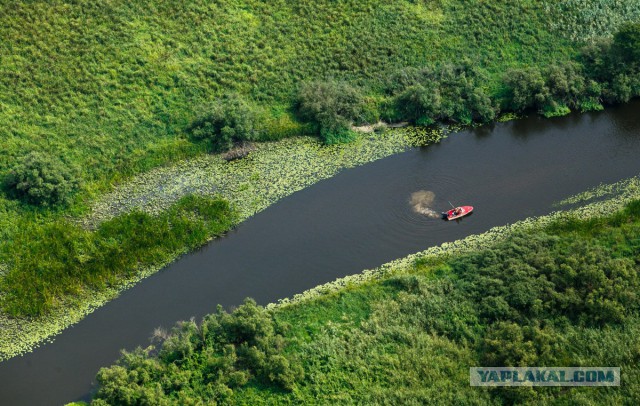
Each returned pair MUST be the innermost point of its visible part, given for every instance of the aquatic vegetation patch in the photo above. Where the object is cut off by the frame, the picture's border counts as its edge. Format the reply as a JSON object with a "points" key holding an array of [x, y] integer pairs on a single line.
{"points": [[510, 116], [272, 171], [601, 191]]}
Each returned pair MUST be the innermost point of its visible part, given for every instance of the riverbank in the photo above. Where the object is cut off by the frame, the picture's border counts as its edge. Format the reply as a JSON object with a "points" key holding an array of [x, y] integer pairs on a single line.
{"points": [[274, 170], [429, 316], [595, 203]]}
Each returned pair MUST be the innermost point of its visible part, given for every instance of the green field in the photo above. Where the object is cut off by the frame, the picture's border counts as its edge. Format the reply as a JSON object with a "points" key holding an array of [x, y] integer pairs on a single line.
{"points": [[96, 94]]}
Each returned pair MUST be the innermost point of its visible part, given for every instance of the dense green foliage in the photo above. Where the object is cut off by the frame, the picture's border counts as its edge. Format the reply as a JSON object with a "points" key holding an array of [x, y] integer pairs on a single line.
{"points": [[42, 180], [50, 262], [608, 70], [556, 91], [626, 45], [588, 20], [331, 107], [108, 90], [228, 121], [566, 295], [448, 92], [205, 361]]}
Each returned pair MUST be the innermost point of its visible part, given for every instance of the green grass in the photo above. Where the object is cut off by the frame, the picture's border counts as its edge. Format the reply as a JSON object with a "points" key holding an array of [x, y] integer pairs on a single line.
{"points": [[112, 86], [52, 261], [562, 294]]}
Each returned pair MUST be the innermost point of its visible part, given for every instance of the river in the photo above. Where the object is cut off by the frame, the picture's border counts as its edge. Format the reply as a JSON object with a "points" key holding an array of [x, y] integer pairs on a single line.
{"points": [[358, 219]]}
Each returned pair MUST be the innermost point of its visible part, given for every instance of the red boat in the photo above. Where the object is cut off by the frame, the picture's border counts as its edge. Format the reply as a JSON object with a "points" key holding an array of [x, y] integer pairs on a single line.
{"points": [[457, 212]]}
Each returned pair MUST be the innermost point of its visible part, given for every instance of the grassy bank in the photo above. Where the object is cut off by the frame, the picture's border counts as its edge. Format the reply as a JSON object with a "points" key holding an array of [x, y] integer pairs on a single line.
{"points": [[560, 290], [58, 271], [112, 87]]}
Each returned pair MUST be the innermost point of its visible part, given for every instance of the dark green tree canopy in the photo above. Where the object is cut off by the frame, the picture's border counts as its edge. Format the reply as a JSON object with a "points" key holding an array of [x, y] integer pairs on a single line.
{"points": [[626, 44], [42, 179], [330, 106], [228, 121]]}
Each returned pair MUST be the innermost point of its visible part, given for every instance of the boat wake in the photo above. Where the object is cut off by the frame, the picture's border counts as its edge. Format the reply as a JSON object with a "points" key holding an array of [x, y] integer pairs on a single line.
{"points": [[421, 200]]}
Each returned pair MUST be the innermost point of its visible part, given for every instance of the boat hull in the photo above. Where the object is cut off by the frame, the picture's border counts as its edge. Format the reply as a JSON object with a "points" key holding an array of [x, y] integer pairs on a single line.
{"points": [[448, 215]]}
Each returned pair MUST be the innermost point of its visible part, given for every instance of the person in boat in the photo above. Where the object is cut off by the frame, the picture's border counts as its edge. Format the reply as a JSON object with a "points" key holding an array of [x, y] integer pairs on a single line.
{"points": [[457, 211]]}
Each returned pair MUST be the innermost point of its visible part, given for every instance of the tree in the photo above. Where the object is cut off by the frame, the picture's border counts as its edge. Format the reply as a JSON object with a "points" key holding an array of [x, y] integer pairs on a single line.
{"points": [[230, 120], [420, 104], [445, 93], [331, 107], [626, 44], [42, 179], [527, 89]]}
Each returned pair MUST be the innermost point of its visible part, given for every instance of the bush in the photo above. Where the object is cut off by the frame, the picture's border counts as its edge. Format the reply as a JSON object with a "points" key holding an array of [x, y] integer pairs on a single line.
{"points": [[566, 84], [620, 90], [419, 104], [626, 44], [229, 121], [526, 89], [447, 93], [42, 180], [331, 107], [555, 91]]}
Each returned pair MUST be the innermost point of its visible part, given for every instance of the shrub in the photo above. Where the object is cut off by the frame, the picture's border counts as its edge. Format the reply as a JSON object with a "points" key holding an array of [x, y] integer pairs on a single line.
{"points": [[626, 44], [42, 179], [526, 89], [370, 113], [620, 90], [230, 120], [331, 107], [566, 84], [555, 91], [447, 93], [419, 104]]}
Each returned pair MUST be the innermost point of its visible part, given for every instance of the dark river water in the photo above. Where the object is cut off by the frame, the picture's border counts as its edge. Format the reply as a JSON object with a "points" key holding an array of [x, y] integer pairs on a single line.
{"points": [[359, 219]]}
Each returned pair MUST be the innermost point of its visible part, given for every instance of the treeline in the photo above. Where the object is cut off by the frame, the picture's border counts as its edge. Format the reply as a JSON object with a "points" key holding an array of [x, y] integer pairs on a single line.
{"points": [[606, 72], [566, 295]]}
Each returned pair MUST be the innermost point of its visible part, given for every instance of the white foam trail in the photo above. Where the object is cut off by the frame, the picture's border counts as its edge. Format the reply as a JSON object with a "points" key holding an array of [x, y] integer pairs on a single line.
{"points": [[421, 200]]}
